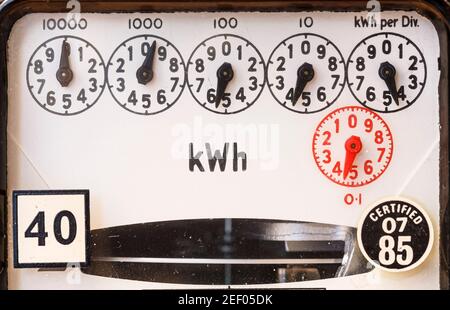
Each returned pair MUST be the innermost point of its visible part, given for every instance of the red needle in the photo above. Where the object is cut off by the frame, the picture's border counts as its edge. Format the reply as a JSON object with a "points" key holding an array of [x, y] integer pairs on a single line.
{"points": [[353, 146]]}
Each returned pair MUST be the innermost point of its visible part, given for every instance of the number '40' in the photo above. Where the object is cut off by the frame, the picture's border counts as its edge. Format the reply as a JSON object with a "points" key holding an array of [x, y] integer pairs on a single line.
{"points": [[41, 234]]}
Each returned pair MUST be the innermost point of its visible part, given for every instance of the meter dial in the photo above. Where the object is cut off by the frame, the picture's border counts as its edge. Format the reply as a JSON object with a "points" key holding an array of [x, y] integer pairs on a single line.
{"points": [[66, 75], [352, 146], [386, 72], [226, 74], [306, 73], [146, 74]]}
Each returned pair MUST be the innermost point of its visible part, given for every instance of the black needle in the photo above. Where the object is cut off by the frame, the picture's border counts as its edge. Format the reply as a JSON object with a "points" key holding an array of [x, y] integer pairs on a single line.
{"points": [[145, 72], [64, 75], [305, 74], [387, 74], [224, 76]]}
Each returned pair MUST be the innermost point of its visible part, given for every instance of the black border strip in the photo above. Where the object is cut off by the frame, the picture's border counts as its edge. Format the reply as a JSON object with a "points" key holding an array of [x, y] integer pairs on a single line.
{"points": [[438, 11], [15, 206]]}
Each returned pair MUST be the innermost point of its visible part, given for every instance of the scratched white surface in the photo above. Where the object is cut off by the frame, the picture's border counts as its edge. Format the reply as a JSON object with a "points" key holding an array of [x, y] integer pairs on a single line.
{"points": [[127, 161]]}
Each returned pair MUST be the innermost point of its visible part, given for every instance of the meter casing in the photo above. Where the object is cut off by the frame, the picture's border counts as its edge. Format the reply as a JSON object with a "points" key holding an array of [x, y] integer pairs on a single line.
{"points": [[437, 12]]}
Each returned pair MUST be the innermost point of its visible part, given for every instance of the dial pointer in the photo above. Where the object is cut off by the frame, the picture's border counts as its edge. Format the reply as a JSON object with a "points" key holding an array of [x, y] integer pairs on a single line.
{"points": [[144, 73], [353, 146], [305, 74], [224, 76], [387, 74], [64, 75]]}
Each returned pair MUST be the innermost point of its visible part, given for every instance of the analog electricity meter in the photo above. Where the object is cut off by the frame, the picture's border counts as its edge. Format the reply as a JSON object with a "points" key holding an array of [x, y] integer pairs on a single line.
{"points": [[192, 144]]}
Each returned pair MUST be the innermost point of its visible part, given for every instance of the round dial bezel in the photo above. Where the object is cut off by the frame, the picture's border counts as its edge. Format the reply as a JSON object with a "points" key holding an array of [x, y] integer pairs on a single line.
{"points": [[101, 86], [341, 61], [168, 43], [261, 85], [363, 41], [374, 116]]}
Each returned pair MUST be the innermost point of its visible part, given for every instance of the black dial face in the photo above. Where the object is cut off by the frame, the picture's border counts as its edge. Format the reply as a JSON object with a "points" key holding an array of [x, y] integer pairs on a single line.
{"points": [[386, 72], [306, 73], [146, 74], [226, 74], [66, 75]]}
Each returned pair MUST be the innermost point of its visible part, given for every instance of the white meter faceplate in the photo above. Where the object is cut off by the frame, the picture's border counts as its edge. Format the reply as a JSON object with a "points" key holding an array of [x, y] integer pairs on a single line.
{"points": [[233, 147]]}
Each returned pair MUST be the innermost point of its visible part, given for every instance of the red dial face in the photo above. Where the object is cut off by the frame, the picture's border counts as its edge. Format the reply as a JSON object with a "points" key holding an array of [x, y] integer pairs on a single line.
{"points": [[352, 146]]}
